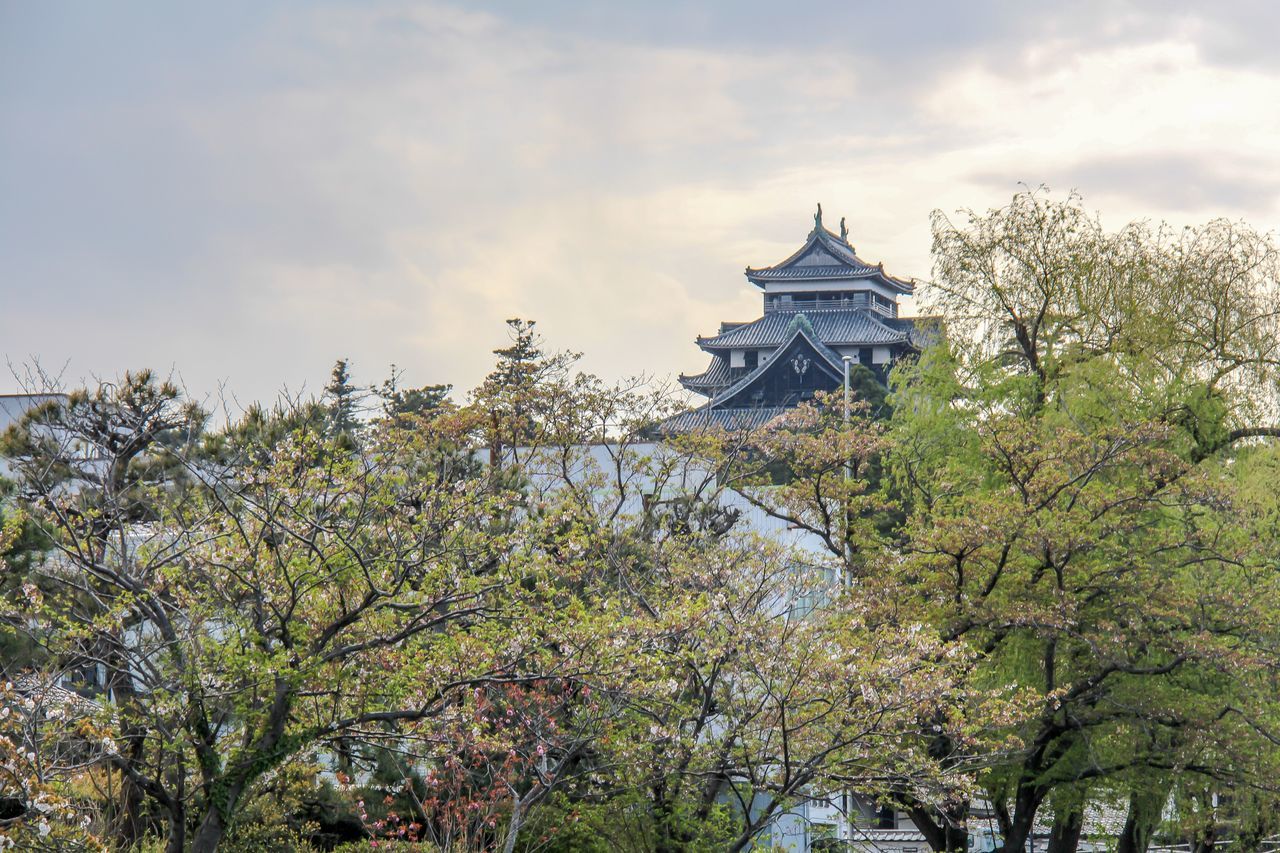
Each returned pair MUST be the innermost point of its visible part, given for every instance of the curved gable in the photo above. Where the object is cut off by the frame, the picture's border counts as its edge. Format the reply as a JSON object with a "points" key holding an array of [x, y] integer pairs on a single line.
{"points": [[795, 372]]}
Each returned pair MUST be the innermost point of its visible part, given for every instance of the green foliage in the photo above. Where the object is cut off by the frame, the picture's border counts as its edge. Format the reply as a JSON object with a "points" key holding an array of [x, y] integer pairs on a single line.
{"points": [[801, 322], [398, 402], [626, 822], [392, 845], [1061, 451], [516, 408], [869, 391], [1040, 571], [343, 400], [293, 810], [22, 544]]}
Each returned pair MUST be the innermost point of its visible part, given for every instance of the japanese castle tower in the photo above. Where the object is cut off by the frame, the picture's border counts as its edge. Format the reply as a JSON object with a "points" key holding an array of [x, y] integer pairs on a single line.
{"points": [[821, 304]]}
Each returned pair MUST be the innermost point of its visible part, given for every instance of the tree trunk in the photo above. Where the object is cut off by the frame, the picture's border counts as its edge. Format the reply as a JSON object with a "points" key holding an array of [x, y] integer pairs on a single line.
{"points": [[1022, 823], [1205, 843], [1130, 840], [1016, 840], [130, 827], [177, 842], [1139, 823], [666, 840], [210, 833], [945, 829], [957, 838], [223, 797], [513, 827], [1068, 823], [222, 800]]}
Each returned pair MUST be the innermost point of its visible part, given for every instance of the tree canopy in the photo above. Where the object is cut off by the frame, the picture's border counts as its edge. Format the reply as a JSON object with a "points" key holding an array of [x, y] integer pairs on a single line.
{"points": [[1034, 575]]}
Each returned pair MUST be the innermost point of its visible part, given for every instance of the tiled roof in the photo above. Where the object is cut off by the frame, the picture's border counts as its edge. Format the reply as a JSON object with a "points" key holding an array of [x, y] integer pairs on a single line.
{"points": [[906, 835], [707, 418], [716, 376], [1104, 820], [831, 273], [921, 331], [47, 692], [824, 241], [716, 414], [833, 327], [795, 332], [824, 271], [826, 256]]}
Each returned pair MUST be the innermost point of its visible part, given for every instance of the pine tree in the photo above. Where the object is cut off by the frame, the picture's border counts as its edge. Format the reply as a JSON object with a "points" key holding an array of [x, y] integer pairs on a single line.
{"points": [[343, 400], [400, 402]]}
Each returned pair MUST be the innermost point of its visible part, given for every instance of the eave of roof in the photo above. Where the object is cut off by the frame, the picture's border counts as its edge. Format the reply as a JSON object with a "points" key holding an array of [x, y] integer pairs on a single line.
{"points": [[828, 273], [850, 266], [706, 418], [716, 375], [834, 327]]}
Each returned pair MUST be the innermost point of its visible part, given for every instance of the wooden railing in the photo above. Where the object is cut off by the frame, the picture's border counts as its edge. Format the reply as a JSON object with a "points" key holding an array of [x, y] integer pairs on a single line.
{"points": [[773, 304]]}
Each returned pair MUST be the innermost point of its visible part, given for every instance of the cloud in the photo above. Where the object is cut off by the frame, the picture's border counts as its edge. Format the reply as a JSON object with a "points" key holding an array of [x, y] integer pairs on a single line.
{"points": [[249, 192], [1182, 181]]}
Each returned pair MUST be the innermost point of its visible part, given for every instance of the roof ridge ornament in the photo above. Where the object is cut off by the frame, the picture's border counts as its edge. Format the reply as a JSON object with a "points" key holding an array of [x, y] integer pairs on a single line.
{"points": [[817, 218], [844, 230]]}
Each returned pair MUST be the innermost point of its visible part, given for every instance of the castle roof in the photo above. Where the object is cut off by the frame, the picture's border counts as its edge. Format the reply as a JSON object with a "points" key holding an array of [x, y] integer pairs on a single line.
{"points": [[715, 377], [707, 418], [827, 257], [824, 308], [799, 340], [834, 327]]}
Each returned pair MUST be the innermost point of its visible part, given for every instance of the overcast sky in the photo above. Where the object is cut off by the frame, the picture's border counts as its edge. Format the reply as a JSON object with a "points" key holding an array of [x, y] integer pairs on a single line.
{"points": [[241, 192]]}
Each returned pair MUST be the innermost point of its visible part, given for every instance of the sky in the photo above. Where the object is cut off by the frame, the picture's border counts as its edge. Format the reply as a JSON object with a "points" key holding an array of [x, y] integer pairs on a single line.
{"points": [[239, 193]]}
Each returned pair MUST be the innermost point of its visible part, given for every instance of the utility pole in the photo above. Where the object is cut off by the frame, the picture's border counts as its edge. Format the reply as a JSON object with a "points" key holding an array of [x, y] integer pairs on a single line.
{"points": [[848, 472], [846, 798], [848, 362]]}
